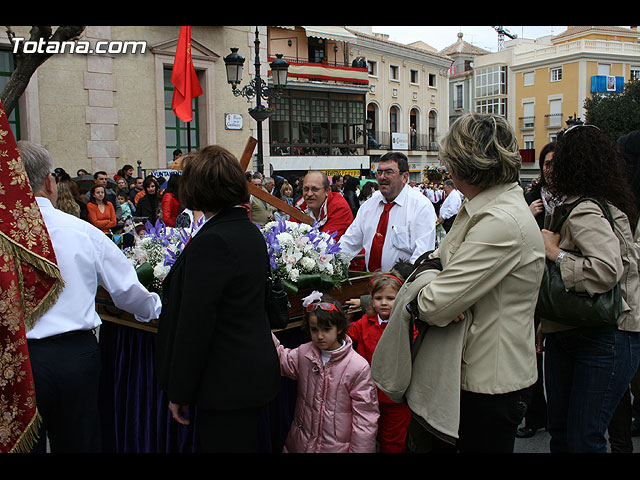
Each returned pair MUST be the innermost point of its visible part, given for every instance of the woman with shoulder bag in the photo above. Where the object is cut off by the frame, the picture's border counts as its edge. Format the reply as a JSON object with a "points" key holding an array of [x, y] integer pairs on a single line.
{"points": [[588, 366]]}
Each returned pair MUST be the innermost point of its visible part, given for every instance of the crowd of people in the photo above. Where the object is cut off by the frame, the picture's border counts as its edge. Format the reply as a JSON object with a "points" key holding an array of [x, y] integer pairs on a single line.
{"points": [[472, 341], [108, 203]]}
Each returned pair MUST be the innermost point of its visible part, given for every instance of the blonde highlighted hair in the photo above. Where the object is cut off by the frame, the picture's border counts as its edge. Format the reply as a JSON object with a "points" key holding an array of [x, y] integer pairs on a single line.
{"points": [[481, 149]]}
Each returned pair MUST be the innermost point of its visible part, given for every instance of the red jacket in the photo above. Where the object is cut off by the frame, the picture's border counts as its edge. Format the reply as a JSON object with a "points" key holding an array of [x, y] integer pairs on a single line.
{"points": [[170, 209], [366, 333], [335, 216]]}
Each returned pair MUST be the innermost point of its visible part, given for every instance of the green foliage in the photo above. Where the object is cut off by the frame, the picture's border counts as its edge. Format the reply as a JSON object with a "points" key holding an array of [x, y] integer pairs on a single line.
{"points": [[615, 113]]}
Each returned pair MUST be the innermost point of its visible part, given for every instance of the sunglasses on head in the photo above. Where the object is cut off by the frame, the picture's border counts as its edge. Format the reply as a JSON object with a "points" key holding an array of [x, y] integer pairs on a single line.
{"points": [[326, 306]]}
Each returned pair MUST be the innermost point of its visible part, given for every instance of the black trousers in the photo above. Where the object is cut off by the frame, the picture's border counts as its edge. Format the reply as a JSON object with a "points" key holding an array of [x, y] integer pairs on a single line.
{"points": [[229, 431], [66, 373], [488, 424]]}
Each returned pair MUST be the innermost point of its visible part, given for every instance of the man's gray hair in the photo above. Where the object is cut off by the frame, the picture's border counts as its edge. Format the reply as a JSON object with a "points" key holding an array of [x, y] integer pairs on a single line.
{"points": [[37, 161], [449, 183], [325, 178]]}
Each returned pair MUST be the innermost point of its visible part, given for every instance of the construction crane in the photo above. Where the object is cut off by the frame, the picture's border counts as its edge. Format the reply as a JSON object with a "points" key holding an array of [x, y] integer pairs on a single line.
{"points": [[501, 34]]}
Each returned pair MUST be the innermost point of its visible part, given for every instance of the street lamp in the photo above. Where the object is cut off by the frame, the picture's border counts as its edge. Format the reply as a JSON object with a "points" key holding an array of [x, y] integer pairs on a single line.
{"points": [[257, 87]]}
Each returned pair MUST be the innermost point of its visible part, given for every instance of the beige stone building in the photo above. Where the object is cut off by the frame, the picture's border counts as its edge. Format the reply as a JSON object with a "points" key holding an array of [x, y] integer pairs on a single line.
{"points": [[102, 111]]}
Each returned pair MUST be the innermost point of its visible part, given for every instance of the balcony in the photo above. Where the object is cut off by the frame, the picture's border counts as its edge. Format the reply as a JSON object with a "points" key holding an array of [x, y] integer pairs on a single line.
{"points": [[324, 72], [419, 142], [526, 123], [553, 120]]}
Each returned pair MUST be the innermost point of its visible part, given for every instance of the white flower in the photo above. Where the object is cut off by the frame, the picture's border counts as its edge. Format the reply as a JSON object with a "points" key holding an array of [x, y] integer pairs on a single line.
{"points": [[314, 296], [294, 274], [285, 238], [160, 271], [307, 264]]}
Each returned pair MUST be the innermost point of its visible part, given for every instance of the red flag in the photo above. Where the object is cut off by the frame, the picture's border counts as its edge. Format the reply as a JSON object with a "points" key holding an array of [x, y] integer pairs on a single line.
{"points": [[184, 78], [30, 283]]}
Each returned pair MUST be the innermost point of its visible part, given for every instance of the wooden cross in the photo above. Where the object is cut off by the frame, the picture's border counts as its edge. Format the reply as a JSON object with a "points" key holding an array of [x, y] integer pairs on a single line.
{"points": [[266, 196]]}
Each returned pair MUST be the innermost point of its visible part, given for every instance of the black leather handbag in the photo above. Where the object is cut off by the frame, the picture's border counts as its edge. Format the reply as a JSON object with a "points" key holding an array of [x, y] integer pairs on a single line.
{"points": [[277, 304], [578, 309]]}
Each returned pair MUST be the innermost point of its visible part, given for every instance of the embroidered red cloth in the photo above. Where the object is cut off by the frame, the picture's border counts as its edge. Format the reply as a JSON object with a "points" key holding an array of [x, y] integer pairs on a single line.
{"points": [[30, 283]]}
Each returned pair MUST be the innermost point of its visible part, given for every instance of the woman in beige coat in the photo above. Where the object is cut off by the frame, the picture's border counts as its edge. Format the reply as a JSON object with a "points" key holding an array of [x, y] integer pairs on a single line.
{"points": [[588, 369], [492, 264]]}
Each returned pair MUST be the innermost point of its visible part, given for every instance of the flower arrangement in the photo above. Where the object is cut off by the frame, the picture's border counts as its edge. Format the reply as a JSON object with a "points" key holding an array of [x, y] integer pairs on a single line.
{"points": [[262, 108], [303, 256], [155, 251]]}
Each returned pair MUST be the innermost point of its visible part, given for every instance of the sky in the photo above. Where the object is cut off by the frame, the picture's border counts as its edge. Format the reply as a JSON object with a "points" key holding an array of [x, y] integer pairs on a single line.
{"points": [[440, 36]]}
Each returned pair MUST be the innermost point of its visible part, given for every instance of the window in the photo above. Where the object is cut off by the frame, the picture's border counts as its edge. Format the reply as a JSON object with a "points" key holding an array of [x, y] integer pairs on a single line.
{"points": [[458, 101], [414, 78], [635, 73], [394, 72], [373, 68], [310, 124], [393, 119], [528, 119], [604, 69], [528, 78], [175, 129], [6, 68], [555, 113], [497, 106], [556, 74], [491, 81], [528, 142], [432, 80]]}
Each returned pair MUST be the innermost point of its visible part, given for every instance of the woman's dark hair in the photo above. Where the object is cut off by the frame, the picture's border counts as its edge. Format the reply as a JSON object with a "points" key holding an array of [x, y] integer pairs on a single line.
{"points": [[92, 196], [148, 181], [548, 148], [367, 190], [351, 184], [173, 184], [212, 180], [587, 162], [328, 319]]}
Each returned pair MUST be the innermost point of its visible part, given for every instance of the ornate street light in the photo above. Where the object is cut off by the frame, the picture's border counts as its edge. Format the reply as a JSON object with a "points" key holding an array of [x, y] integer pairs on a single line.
{"points": [[257, 87]]}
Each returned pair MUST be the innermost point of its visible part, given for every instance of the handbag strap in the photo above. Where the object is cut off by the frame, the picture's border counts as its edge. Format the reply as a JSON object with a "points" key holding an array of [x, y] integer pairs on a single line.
{"points": [[562, 213]]}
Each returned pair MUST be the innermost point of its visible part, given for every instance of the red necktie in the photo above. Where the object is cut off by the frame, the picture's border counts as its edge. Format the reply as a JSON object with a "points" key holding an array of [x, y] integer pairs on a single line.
{"points": [[375, 256]]}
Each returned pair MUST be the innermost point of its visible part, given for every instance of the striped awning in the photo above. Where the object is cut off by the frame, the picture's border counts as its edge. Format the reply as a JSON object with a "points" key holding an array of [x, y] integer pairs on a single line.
{"points": [[339, 34], [329, 72]]}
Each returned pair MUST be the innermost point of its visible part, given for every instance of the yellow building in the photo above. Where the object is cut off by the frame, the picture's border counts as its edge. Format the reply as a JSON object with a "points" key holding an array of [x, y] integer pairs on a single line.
{"points": [[547, 80]]}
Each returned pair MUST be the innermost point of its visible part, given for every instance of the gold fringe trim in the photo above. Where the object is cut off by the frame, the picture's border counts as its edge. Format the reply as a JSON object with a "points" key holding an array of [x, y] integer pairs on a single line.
{"points": [[42, 264], [29, 437]]}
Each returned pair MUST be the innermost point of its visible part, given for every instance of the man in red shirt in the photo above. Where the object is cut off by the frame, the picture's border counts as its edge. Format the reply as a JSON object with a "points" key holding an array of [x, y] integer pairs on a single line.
{"points": [[329, 209]]}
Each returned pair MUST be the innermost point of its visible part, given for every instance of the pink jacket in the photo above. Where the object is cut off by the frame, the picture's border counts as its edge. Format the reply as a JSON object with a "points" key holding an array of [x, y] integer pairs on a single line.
{"points": [[337, 404]]}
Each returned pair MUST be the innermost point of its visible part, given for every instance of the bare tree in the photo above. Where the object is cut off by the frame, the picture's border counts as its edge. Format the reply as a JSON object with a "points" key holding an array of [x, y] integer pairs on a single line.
{"points": [[27, 63]]}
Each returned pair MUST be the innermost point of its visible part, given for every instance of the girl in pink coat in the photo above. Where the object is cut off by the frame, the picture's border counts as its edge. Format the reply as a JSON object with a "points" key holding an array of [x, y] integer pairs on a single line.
{"points": [[337, 403]]}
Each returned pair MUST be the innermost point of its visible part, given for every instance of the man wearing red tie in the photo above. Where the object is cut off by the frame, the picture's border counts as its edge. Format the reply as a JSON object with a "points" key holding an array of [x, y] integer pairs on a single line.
{"points": [[396, 223]]}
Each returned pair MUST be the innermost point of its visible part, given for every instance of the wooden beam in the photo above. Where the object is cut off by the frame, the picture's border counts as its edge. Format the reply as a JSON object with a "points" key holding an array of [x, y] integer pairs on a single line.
{"points": [[245, 159], [262, 194], [280, 204]]}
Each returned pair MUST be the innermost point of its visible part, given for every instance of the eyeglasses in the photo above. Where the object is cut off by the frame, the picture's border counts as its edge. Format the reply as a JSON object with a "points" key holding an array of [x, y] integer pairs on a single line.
{"points": [[326, 306], [388, 172]]}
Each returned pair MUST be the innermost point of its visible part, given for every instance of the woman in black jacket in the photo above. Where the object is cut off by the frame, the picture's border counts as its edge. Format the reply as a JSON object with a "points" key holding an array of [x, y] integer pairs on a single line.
{"points": [[214, 346], [149, 205]]}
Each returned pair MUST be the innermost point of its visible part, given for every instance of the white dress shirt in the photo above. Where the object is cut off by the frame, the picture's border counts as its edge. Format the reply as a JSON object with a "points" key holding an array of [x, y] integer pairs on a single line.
{"points": [[410, 232], [451, 205], [88, 258]]}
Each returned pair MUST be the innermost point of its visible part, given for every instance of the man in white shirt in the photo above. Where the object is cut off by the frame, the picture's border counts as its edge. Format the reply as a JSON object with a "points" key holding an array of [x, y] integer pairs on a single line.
{"points": [[450, 206], [63, 347], [410, 230]]}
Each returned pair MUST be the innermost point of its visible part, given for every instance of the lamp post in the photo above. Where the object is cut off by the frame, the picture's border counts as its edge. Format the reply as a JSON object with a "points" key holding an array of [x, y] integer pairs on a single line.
{"points": [[257, 87]]}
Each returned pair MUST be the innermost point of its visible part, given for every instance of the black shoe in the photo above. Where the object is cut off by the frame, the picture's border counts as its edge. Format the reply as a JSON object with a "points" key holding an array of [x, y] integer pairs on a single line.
{"points": [[526, 432]]}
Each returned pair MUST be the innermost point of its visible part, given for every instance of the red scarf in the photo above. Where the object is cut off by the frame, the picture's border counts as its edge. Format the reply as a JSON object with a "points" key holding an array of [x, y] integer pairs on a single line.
{"points": [[30, 283]]}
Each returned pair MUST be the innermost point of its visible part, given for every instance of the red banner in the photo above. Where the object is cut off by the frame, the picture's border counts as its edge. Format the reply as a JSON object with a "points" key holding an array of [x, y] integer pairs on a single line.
{"points": [[184, 78], [30, 283]]}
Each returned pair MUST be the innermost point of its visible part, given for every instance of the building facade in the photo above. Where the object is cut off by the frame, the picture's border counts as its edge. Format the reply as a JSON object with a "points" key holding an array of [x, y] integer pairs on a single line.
{"points": [[540, 84], [102, 111], [407, 100]]}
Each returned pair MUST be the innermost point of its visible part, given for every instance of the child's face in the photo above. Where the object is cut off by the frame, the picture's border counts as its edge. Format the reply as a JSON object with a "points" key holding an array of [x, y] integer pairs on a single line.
{"points": [[121, 199], [324, 338], [383, 301]]}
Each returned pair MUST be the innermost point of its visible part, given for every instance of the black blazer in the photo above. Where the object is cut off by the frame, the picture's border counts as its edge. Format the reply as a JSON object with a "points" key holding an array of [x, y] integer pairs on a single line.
{"points": [[214, 347]]}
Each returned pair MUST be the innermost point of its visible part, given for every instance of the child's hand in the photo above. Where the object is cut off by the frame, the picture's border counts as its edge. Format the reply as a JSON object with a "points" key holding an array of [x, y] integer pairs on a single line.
{"points": [[353, 303], [177, 411]]}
